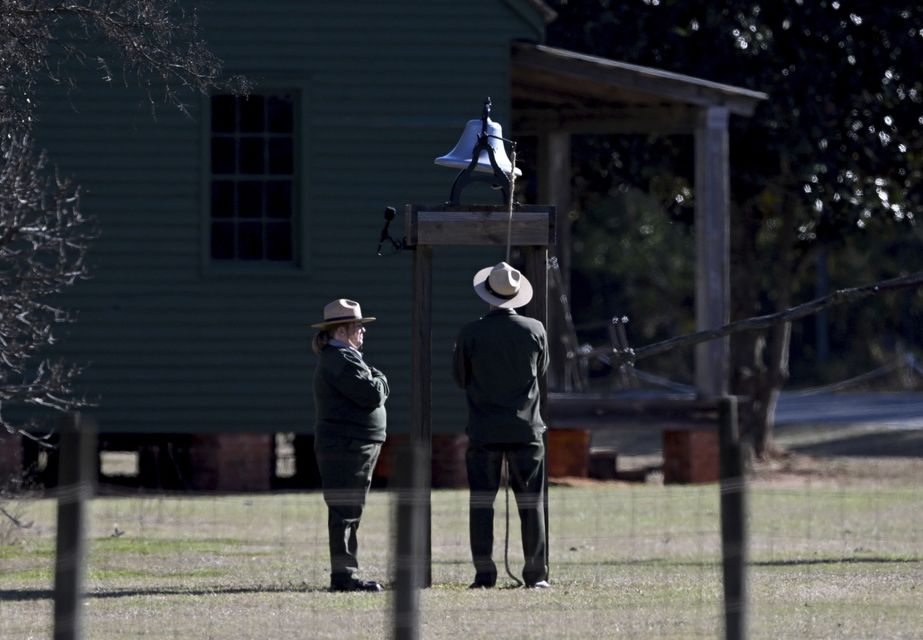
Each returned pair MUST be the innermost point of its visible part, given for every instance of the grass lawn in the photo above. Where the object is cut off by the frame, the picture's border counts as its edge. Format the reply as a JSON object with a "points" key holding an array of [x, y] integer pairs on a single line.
{"points": [[827, 560]]}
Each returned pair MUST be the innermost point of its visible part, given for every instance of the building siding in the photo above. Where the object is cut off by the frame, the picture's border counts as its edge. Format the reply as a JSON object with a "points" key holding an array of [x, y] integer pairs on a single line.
{"points": [[174, 344]]}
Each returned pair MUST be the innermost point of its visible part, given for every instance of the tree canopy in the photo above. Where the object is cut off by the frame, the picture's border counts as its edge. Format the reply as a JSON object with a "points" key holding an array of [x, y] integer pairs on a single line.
{"points": [[829, 166], [843, 122]]}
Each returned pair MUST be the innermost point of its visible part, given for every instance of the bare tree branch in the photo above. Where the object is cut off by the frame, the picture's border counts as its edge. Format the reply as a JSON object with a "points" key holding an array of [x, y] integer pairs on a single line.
{"points": [[44, 235], [43, 243], [155, 41], [16, 521]]}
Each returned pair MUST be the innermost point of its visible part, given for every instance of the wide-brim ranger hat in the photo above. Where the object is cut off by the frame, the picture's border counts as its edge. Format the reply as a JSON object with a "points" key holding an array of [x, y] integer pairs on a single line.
{"points": [[502, 286], [341, 311]]}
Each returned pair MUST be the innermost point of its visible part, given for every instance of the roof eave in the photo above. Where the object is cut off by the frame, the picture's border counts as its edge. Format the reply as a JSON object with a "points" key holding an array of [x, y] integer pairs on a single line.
{"points": [[667, 85]]}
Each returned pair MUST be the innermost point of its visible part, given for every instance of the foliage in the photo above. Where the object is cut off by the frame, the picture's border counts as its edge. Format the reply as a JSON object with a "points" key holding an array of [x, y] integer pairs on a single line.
{"points": [[840, 133], [625, 233], [830, 163], [44, 235], [632, 244]]}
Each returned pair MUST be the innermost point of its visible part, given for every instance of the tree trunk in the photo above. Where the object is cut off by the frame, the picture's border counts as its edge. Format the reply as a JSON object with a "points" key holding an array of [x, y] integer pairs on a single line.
{"points": [[766, 393], [761, 360]]}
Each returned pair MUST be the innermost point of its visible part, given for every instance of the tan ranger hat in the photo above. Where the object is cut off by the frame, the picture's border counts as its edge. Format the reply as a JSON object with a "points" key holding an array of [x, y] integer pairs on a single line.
{"points": [[503, 286], [341, 311]]}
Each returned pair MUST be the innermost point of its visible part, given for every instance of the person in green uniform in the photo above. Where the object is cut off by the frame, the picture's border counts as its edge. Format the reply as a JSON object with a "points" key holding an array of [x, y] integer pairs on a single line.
{"points": [[349, 429], [498, 361]]}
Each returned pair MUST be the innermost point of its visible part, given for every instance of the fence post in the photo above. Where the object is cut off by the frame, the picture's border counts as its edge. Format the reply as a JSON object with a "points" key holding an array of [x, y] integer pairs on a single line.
{"points": [[76, 484], [411, 528], [733, 521]]}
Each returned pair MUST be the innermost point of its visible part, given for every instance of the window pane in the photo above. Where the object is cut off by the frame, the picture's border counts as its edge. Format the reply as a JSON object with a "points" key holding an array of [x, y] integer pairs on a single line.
{"points": [[278, 241], [251, 155], [249, 199], [223, 240], [280, 110], [223, 114], [222, 199], [251, 114], [253, 204], [278, 199], [280, 156], [222, 155], [250, 241]]}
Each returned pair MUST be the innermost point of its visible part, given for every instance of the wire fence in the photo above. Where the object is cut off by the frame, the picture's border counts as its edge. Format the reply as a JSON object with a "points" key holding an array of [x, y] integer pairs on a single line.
{"points": [[836, 555]]}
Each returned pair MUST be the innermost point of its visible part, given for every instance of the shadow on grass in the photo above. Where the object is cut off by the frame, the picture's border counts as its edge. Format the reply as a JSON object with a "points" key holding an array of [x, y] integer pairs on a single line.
{"points": [[816, 561], [753, 563], [23, 595], [890, 443]]}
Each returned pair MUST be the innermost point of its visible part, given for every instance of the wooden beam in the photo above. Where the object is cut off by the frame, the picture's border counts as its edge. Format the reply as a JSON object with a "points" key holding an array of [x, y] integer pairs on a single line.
{"points": [[733, 521], [661, 119], [554, 169], [77, 471], [480, 225], [592, 73], [666, 412], [712, 232], [536, 271], [421, 380]]}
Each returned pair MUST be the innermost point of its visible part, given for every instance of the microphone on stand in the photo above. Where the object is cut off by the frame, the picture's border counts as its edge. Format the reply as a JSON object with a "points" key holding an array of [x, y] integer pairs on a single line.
{"points": [[389, 216]]}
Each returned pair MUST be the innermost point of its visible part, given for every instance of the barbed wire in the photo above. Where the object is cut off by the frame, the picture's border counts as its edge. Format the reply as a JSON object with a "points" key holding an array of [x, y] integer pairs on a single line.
{"points": [[907, 361], [629, 356]]}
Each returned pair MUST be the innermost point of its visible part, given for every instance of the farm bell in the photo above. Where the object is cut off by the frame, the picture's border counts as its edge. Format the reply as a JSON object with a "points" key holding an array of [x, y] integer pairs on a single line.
{"points": [[460, 156]]}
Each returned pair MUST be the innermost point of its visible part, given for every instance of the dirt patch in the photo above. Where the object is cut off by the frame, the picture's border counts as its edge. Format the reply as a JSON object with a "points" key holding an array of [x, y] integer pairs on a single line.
{"points": [[820, 454], [834, 454], [844, 454], [574, 481], [797, 468]]}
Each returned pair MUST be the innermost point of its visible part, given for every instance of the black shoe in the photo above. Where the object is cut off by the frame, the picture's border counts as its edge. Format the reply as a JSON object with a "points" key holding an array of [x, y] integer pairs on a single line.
{"points": [[354, 584], [541, 584], [481, 585]]}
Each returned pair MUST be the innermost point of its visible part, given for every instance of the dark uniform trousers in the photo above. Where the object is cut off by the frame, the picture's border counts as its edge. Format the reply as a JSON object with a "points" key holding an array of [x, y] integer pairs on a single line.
{"points": [[526, 474], [346, 466]]}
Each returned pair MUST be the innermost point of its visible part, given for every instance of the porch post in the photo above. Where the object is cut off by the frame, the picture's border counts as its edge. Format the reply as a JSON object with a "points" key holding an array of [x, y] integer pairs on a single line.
{"points": [[554, 169], [712, 231]]}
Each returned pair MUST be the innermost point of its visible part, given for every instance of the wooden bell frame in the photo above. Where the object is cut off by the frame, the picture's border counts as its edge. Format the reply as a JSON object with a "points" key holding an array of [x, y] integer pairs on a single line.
{"points": [[532, 230]]}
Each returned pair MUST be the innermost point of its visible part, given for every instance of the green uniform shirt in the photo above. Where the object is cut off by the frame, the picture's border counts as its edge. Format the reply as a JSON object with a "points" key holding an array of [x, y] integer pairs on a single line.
{"points": [[349, 396], [498, 361]]}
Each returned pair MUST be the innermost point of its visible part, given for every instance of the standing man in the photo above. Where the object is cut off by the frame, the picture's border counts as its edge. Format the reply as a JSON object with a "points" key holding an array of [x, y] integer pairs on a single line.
{"points": [[498, 362], [349, 429]]}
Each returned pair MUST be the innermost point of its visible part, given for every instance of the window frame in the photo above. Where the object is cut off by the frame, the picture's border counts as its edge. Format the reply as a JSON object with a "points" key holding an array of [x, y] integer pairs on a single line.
{"points": [[299, 265]]}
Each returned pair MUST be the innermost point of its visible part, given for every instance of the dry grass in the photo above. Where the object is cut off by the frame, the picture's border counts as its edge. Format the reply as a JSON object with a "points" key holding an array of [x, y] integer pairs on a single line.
{"points": [[836, 551]]}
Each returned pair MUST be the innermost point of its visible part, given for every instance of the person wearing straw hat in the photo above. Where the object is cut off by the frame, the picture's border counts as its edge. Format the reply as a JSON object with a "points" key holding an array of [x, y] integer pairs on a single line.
{"points": [[349, 429], [498, 361]]}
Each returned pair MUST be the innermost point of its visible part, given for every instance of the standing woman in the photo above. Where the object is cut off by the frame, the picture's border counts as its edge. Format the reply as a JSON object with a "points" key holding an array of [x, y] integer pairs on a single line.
{"points": [[349, 429]]}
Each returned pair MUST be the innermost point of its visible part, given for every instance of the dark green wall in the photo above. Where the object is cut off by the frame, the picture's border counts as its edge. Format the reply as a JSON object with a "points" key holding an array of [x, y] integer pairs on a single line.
{"points": [[173, 344]]}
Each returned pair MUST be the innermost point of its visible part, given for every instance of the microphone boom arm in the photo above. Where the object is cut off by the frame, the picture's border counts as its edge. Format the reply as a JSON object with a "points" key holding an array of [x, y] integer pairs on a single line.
{"points": [[385, 236]]}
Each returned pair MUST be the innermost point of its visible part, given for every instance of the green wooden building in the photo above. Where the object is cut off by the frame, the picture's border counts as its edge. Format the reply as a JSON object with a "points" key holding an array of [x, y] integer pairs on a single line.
{"points": [[223, 233]]}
